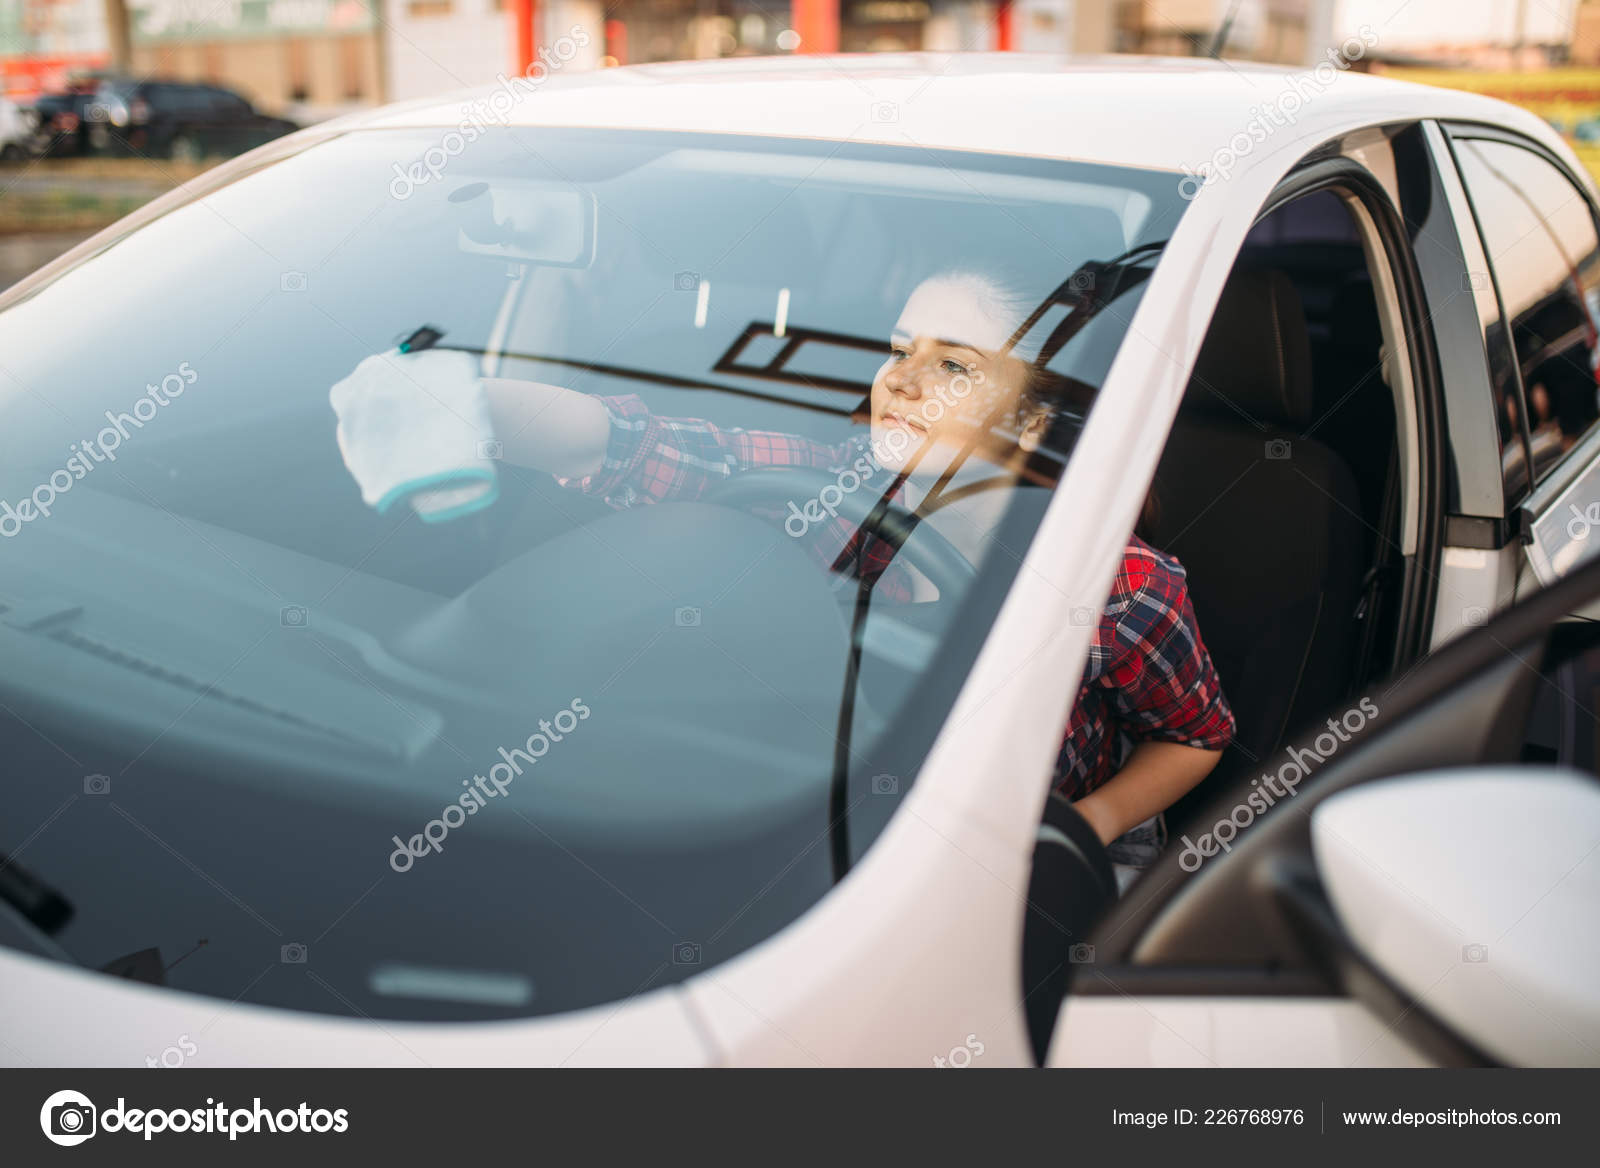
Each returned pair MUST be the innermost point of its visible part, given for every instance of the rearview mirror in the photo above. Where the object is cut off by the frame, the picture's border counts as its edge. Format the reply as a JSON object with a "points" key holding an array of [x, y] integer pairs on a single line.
{"points": [[538, 223], [1477, 891]]}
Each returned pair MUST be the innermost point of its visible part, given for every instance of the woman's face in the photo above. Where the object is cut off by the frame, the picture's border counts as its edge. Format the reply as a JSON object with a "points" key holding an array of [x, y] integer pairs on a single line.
{"points": [[944, 374]]}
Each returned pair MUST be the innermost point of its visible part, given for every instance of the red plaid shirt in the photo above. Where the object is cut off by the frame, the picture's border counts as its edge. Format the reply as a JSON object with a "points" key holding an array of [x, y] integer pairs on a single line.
{"points": [[1149, 677]]}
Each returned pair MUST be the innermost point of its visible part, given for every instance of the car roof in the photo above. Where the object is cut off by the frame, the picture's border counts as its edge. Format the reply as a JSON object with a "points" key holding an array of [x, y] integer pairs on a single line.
{"points": [[1158, 112]]}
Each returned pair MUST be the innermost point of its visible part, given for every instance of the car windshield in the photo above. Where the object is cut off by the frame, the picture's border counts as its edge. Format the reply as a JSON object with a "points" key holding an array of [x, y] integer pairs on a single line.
{"points": [[281, 729]]}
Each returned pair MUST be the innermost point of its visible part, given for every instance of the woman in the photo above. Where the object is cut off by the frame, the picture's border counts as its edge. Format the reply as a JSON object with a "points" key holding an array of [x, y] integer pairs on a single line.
{"points": [[1150, 721]]}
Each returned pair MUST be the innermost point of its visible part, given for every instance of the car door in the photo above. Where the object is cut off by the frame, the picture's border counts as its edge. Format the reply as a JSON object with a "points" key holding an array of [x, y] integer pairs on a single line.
{"points": [[1246, 946], [233, 123], [1540, 234], [190, 117]]}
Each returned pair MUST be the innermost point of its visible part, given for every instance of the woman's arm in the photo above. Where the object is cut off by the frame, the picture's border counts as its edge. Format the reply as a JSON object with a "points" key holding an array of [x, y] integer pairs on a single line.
{"points": [[1166, 695], [548, 427], [615, 449], [1156, 775]]}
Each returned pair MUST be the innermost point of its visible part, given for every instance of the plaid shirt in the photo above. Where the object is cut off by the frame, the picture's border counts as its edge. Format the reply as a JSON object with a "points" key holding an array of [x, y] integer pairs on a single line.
{"points": [[1149, 677]]}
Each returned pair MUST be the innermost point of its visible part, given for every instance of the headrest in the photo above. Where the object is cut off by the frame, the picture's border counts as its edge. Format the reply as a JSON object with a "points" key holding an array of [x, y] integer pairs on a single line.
{"points": [[1256, 360]]}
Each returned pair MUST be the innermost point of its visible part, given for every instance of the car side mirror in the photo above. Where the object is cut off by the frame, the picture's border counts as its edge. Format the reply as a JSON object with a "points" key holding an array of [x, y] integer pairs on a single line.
{"points": [[1071, 886], [1477, 892]]}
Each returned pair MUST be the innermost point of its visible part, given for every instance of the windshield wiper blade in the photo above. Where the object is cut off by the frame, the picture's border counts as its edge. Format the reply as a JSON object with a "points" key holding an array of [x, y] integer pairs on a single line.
{"points": [[427, 337], [36, 902]]}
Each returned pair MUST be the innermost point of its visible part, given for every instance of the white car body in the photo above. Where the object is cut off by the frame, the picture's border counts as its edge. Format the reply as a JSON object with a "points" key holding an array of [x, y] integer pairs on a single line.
{"points": [[918, 950], [16, 128]]}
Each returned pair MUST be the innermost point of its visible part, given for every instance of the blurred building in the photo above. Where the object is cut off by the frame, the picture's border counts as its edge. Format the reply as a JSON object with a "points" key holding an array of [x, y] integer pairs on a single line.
{"points": [[44, 43], [309, 58], [313, 58], [1585, 49], [435, 45], [1259, 30]]}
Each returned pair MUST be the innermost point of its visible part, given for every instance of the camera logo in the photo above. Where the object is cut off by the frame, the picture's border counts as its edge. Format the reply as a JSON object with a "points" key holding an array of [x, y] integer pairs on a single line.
{"points": [[1081, 954], [686, 618], [292, 616], [293, 953], [885, 785], [1474, 954], [1278, 449], [292, 282], [686, 281], [1474, 281], [686, 953], [883, 111], [491, 448], [97, 784], [68, 1118]]}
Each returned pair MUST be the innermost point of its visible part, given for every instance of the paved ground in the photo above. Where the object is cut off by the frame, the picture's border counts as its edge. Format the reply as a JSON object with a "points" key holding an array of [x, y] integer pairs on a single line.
{"points": [[48, 205], [39, 180]]}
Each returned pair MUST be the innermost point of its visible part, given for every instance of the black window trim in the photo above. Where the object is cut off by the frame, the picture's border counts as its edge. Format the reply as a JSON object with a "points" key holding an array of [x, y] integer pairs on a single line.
{"points": [[1575, 461]]}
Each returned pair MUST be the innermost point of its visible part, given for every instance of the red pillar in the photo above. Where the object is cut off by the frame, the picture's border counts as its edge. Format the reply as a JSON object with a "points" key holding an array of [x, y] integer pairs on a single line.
{"points": [[1002, 26], [817, 22], [617, 41], [524, 16]]}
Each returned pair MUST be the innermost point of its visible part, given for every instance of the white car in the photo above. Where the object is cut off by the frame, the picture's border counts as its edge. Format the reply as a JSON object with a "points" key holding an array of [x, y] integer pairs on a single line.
{"points": [[265, 744], [16, 131]]}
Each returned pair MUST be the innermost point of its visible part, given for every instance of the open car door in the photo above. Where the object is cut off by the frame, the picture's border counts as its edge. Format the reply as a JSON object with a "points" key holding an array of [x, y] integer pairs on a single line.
{"points": [[1416, 881]]}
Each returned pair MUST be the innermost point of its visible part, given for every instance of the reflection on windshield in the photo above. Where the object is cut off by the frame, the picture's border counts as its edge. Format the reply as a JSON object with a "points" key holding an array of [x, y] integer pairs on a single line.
{"points": [[733, 443]]}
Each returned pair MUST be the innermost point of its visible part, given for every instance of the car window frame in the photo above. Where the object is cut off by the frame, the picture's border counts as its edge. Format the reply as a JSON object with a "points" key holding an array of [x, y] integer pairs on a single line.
{"points": [[1334, 165], [225, 103], [1352, 179], [1539, 493]]}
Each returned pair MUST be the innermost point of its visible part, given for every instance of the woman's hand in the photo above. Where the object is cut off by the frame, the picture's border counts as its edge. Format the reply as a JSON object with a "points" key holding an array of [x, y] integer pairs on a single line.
{"points": [[548, 427], [1154, 777]]}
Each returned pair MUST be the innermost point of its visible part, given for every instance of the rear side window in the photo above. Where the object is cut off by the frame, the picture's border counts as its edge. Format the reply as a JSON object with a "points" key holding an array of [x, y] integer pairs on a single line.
{"points": [[231, 104], [179, 99], [1539, 233]]}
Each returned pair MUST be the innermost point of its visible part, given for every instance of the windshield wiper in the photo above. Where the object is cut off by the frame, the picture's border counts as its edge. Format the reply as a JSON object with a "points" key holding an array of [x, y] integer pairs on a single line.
{"points": [[36, 902], [32, 912], [427, 337]]}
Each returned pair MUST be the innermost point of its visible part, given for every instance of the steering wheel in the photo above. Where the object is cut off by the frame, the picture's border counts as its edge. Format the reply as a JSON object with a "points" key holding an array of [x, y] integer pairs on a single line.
{"points": [[776, 487]]}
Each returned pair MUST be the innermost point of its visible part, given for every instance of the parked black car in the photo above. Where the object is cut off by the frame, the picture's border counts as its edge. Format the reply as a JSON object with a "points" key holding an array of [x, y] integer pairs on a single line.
{"points": [[177, 119], [61, 123]]}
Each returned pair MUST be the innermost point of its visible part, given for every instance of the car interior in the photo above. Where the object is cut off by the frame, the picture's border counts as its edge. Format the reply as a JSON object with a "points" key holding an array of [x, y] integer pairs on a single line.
{"points": [[1279, 492], [1278, 487]]}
